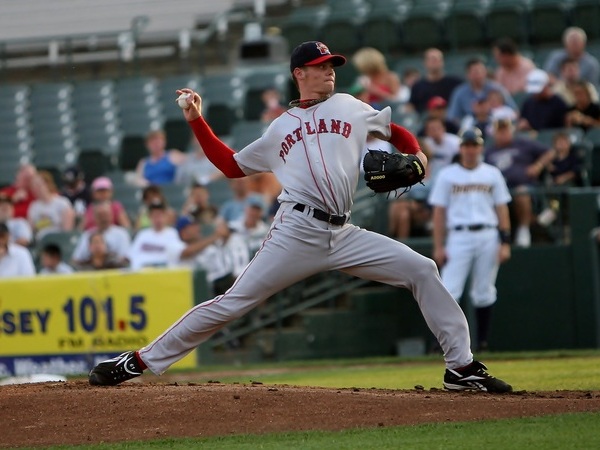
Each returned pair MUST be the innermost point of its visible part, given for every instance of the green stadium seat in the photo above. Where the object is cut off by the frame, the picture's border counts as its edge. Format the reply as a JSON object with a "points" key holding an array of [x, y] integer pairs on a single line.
{"points": [[178, 134], [423, 26], [133, 148], [244, 132], [256, 82], [593, 136], [381, 27], [586, 15], [224, 96], [545, 136], [303, 24], [341, 30], [93, 163], [167, 87], [66, 241], [547, 21], [507, 18], [466, 24]]}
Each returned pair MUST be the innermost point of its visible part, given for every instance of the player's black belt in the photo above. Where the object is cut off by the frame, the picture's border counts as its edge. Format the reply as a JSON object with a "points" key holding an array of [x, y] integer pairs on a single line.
{"points": [[322, 215], [476, 227]]}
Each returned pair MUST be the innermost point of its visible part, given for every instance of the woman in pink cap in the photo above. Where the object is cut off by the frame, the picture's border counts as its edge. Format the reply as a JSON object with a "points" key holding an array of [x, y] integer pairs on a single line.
{"points": [[102, 191]]}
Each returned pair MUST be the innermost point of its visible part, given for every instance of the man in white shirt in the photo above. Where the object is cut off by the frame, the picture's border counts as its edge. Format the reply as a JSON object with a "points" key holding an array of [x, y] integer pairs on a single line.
{"points": [[20, 230], [151, 246], [15, 260], [116, 237]]}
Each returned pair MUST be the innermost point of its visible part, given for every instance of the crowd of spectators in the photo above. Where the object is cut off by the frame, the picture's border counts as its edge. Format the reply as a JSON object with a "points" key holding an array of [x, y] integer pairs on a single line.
{"points": [[221, 238], [512, 102]]}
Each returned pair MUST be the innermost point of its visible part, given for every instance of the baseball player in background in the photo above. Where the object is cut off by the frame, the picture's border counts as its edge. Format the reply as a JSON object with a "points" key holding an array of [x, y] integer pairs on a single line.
{"points": [[315, 151], [471, 228]]}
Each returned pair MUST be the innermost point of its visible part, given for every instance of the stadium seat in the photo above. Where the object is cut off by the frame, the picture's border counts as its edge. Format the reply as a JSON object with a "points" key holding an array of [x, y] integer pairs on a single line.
{"points": [[547, 21], [133, 148], [140, 109], [256, 82], [507, 18], [423, 26], [219, 191], [93, 163], [593, 135], [178, 134], [224, 96], [466, 24], [167, 87], [66, 241], [175, 195], [244, 132], [547, 135], [586, 15], [381, 27], [341, 29], [303, 24]]}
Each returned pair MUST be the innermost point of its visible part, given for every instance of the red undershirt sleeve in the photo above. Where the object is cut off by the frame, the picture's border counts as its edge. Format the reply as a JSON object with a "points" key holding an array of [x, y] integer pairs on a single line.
{"points": [[403, 139], [216, 151]]}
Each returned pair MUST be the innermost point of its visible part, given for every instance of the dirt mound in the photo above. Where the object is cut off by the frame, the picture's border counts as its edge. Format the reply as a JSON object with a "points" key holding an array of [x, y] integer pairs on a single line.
{"points": [[76, 413]]}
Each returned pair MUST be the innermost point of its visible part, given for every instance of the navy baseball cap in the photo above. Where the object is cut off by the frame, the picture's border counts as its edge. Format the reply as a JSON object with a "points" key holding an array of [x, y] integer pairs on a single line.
{"points": [[312, 53], [471, 136], [183, 222]]}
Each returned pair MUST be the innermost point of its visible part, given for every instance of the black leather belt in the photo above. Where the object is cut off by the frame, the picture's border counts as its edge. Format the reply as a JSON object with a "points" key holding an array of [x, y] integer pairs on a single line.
{"points": [[322, 215], [476, 227]]}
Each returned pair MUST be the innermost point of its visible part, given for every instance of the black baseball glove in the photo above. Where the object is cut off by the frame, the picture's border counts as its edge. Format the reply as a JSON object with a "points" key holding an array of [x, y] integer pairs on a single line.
{"points": [[386, 172]]}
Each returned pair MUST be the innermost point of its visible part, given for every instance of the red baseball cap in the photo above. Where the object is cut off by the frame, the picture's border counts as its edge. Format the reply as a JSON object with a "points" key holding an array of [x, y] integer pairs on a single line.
{"points": [[436, 102], [312, 53]]}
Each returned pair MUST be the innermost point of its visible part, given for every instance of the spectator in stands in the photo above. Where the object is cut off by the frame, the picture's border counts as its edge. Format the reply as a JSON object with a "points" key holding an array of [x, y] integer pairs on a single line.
{"points": [[20, 230], [100, 258], [160, 165], [21, 192], [382, 84], [410, 212], [435, 82], [521, 161], [50, 212], [486, 109], [51, 261], [410, 76], [76, 190], [103, 191], [150, 247], [233, 209], [15, 260], [198, 206], [271, 98], [437, 108], [251, 226], [512, 66], [569, 75], [542, 108], [477, 85], [116, 237], [574, 42], [153, 194], [565, 167], [584, 114], [265, 184], [196, 168]]}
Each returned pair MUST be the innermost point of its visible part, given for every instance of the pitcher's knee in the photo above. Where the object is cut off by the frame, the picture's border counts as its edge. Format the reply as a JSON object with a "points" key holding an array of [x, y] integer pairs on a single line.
{"points": [[424, 268]]}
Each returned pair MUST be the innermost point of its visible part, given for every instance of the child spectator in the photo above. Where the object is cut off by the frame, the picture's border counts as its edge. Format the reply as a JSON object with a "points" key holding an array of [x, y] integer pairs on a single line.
{"points": [[51, 261], [565, 166], [153, 194], [273, 107], [76, 190]]}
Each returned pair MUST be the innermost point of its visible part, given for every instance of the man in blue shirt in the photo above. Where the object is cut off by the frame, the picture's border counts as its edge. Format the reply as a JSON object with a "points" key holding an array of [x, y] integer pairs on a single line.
{"points": [[477, 85]]}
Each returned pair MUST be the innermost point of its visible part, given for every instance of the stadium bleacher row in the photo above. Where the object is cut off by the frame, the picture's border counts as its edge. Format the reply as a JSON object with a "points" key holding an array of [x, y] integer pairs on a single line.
{"points": [[398, 25]]}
